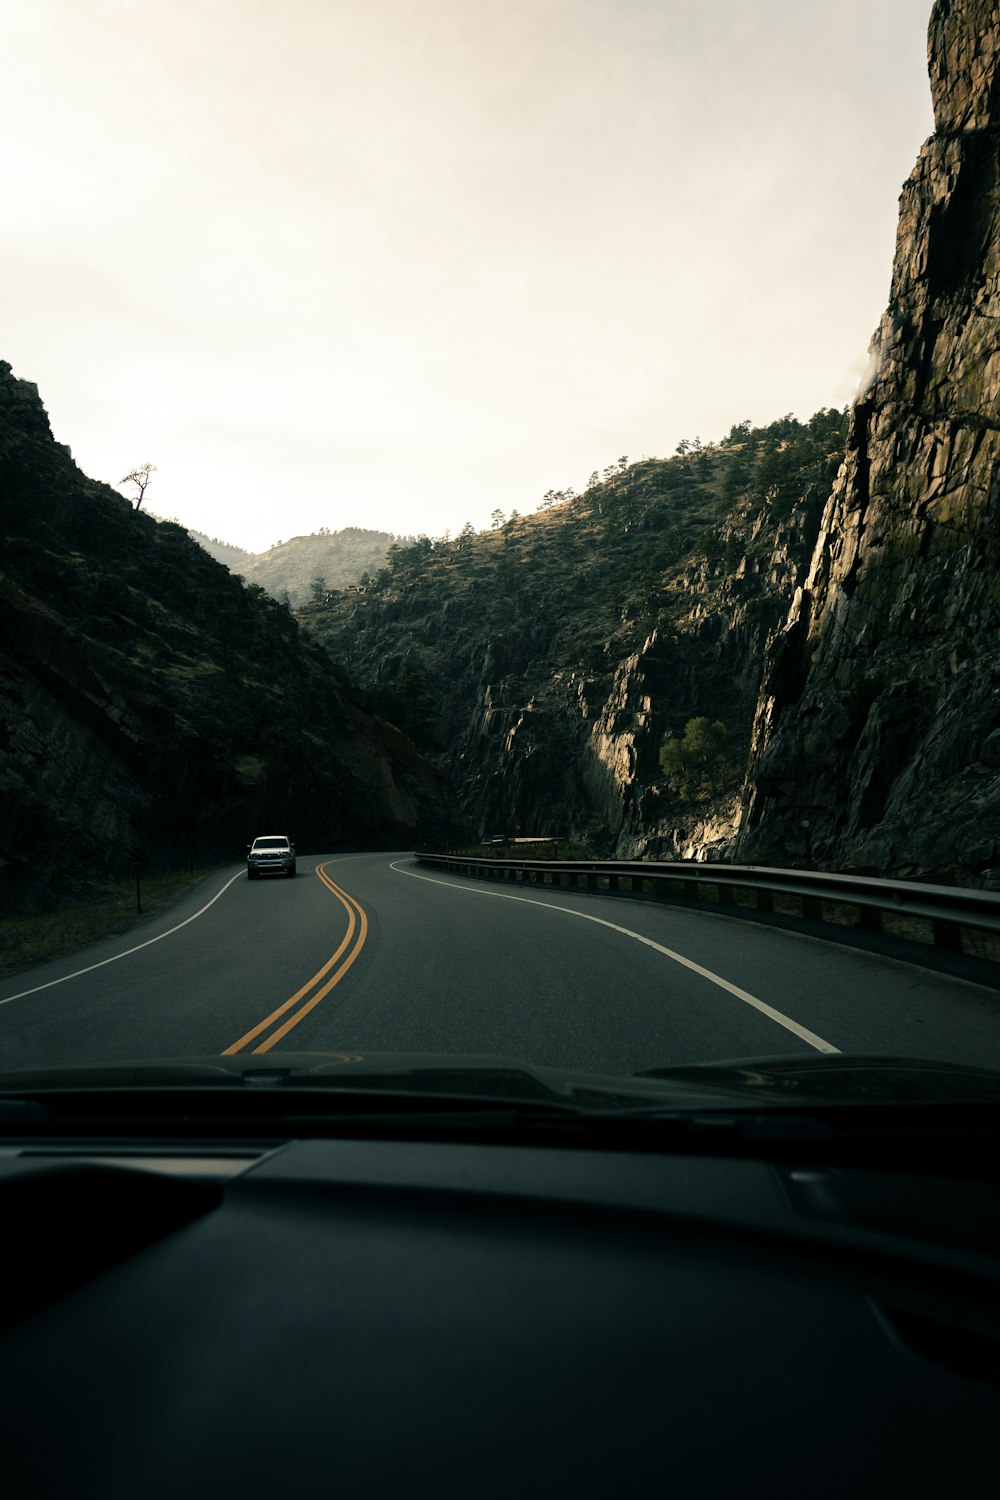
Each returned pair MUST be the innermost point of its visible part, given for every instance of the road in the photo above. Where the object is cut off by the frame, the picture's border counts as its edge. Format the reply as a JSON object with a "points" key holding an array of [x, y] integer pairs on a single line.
{"points": [[371, 952]]}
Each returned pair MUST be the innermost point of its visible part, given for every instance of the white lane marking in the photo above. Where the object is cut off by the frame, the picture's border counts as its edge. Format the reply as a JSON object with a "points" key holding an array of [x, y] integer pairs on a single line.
{"points": [[116, 956], [688, 963]]}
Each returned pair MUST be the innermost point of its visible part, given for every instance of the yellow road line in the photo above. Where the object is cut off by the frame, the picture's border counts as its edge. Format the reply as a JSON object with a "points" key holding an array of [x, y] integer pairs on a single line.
{"points": [[357, 922]]}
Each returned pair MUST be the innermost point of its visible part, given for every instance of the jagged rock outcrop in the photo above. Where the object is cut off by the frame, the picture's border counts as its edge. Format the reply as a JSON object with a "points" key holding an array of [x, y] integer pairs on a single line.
{"points": [[154, 709], [710, 665], [875, 736]]}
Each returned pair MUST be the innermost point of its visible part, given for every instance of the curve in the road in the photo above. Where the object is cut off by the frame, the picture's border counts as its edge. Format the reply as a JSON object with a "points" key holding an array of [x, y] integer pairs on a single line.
{"points": [[802, 1032], [314, 990]]}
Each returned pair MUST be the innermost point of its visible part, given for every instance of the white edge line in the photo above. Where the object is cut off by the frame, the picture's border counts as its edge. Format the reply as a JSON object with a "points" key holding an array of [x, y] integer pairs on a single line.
{"points": [[116, 956], [688, 963]]}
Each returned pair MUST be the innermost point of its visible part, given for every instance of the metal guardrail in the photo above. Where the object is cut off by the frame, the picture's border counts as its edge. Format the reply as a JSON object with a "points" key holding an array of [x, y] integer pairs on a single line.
{"points": [[749, 889]]}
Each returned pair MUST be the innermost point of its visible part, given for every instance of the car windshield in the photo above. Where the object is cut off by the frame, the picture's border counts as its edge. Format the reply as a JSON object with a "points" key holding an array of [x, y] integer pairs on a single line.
{"points": [[544, 457]]}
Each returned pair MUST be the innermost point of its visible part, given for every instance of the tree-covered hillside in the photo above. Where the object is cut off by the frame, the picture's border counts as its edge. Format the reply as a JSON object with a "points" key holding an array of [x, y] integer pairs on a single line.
{"points": [[657, 587]]}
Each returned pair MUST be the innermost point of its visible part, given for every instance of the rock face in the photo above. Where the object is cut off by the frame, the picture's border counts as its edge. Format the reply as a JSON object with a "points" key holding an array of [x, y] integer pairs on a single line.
{"points": [[581, 756], [878, 720], [153, 708]]}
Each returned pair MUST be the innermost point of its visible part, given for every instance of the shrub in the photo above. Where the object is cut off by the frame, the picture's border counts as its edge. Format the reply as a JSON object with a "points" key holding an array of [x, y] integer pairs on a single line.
{"points": [[701, 761]]}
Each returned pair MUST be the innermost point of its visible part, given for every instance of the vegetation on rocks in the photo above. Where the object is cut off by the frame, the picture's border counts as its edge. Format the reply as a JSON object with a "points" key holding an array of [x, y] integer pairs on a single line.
{"points": [[699, 763]]}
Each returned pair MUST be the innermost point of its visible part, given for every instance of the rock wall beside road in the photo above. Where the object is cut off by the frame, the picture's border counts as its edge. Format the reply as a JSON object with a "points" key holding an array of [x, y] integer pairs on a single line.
{"points": [[878, 720]]}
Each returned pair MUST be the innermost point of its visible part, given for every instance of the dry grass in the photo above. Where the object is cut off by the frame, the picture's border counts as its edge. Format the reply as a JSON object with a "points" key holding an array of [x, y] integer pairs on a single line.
{"points": [[911, 929], [981, 944], [33, 939]]}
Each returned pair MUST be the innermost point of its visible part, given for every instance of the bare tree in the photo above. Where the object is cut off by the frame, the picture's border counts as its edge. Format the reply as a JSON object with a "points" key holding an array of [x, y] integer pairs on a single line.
{"points": [[139, 476]]}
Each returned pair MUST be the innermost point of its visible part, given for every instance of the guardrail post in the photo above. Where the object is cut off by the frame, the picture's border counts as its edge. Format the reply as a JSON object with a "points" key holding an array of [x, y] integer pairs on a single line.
{"points": [[869, 919], [612, 882], [812, 907], [946, 934], [765, 900]]}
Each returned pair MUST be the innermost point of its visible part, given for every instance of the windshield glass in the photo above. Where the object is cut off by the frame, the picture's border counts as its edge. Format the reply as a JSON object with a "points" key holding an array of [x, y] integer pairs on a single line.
{"points": [[534, 456]]}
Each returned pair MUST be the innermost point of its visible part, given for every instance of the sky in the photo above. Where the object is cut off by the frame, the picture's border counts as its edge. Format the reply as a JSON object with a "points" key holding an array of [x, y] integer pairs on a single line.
{"points": [[402, 263]]}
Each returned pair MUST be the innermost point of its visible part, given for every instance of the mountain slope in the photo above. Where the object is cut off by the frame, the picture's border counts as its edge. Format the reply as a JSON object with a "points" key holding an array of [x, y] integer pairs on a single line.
{"points": [[154, 709]]}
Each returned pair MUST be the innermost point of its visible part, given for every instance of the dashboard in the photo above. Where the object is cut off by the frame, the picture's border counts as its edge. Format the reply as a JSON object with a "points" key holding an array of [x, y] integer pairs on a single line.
{"points": [[369, 1317]]}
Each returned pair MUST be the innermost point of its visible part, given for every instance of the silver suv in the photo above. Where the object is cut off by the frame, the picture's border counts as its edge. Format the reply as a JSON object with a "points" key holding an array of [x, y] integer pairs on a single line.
{"points": [[272, 854]]}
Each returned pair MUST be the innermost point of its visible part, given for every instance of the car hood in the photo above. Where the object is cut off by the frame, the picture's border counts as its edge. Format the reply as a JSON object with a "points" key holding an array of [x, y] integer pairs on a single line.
{"points": [[748, 1083]]}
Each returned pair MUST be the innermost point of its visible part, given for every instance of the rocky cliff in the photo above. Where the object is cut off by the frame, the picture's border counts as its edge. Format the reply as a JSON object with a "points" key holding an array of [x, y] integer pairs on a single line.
{"points": [[154, 709], [877, 735]]}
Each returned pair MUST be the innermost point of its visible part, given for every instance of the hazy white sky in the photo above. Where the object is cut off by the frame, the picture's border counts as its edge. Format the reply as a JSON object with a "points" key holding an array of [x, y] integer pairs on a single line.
{"points": [[395, 263]]}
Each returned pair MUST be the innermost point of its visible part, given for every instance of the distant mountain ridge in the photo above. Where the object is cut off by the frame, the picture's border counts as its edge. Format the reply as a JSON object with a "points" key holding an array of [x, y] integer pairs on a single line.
{"points": [[226, 553], [292, 571]]}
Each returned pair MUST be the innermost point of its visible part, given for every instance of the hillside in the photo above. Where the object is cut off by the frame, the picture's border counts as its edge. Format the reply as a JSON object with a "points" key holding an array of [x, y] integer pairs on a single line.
{"points": [[297, 570], [154, 709], [549, 657]]}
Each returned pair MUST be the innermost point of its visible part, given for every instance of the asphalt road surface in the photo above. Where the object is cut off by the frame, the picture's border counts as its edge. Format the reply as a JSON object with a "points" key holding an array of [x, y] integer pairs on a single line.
{"points": [[370, 952]]}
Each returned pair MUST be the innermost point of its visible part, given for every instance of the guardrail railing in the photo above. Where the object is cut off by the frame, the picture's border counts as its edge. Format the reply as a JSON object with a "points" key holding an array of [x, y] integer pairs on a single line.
{"points": [[951, 918]]}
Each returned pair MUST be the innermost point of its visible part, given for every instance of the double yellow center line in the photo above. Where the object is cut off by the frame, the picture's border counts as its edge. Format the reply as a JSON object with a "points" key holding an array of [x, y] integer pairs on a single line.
{"points": [[314, 990]]}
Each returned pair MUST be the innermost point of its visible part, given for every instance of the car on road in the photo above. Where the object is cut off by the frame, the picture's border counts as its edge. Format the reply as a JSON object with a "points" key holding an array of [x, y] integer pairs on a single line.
{"points": [[271, 854]]}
